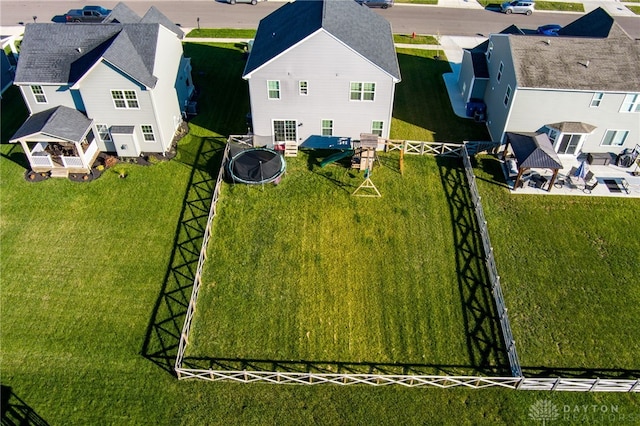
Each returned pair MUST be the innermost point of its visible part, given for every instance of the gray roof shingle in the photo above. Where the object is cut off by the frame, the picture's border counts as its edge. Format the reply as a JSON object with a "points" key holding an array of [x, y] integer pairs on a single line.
{"points": [[362, 30], [601, 64], [61, 122], [578, 62], [53, 53]]}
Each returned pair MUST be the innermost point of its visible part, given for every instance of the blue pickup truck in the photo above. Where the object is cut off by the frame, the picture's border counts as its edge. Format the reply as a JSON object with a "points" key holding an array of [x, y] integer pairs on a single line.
{"points": [[87, 14]]}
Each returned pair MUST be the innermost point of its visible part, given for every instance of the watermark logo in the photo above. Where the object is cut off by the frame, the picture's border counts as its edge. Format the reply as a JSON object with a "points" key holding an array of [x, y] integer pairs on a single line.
{"points": [[544, 410]]}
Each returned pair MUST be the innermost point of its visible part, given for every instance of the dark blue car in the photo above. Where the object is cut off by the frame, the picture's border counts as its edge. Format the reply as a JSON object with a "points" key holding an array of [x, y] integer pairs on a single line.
{"points": [[549, 30]]}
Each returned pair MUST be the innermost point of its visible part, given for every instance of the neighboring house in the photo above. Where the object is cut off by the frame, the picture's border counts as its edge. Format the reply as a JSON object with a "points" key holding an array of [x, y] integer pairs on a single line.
{"points": [[321, 68], [128, 79], [581, 88], [6, 72]]}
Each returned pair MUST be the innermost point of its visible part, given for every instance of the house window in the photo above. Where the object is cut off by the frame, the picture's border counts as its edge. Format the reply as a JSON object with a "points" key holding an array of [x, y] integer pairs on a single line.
{"points": [[125, 99], [147, 132], [38, 94], [376, 128], [103, 133], [327, 127], [614, 137], [507, 96], [362, 91], [489, 51], [284, 131], [303, 88], [500, 69], [569, 144], [596, 100], [553, 135], [631, 103], [273, 88]]}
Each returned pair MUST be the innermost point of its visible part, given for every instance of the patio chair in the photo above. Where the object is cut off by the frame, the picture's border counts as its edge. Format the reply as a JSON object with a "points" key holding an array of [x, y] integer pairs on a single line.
{"points": [[588, 177], [588, 187], [571, 179]]}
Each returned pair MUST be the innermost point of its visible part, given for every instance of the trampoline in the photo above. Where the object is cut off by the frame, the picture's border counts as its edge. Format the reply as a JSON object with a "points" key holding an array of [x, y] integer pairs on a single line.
{"points": [[255, 166]]}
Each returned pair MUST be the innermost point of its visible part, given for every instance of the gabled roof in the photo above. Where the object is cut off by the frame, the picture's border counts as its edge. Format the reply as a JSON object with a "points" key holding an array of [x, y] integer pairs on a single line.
{"points": [[362, 30], [584, 62], [60, 122], [154, 16], [534, 151], [121, 13], [53, 53]]}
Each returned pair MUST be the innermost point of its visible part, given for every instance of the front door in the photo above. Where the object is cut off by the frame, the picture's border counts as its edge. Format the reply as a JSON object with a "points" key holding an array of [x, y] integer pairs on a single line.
{"points": [[285, 131]]}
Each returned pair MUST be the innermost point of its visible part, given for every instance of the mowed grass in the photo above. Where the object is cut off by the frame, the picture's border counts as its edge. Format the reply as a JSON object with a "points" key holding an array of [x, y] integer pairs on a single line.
{"points": [[569, 269], [306, 271], [87, 281]]}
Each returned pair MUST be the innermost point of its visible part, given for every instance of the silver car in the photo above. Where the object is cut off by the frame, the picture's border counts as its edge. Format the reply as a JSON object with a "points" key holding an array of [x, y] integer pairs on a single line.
{"points": [[518, 6]]}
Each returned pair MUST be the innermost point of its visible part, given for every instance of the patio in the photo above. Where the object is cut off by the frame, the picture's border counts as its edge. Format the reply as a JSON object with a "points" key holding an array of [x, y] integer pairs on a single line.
{"points": [[612, 181]]}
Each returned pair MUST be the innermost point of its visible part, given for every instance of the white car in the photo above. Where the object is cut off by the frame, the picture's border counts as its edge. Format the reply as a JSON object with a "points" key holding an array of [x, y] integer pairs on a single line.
{"points": [[518, 6]]}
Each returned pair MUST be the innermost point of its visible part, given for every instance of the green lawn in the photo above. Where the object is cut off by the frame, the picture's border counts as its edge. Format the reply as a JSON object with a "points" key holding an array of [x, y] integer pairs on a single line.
{"points": [[222, 33], [569, 274], [305, 271], [634, 9], [95, 278], [560, 6]]}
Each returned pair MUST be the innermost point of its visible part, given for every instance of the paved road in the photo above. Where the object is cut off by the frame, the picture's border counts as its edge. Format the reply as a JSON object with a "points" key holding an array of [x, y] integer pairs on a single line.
{"points": [[214, 14]]}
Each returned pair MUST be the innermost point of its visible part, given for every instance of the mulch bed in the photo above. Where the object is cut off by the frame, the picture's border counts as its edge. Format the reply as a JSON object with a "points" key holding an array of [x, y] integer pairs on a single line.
{"points": [[31, 176]]}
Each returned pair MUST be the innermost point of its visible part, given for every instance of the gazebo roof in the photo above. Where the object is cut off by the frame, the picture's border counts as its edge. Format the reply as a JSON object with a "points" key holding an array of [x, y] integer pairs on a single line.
{"points": [[534, 151]]}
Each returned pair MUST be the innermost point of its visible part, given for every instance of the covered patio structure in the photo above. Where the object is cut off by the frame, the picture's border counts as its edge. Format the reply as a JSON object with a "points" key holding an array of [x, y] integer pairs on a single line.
{"points": [[533, 151], [59, 140]]}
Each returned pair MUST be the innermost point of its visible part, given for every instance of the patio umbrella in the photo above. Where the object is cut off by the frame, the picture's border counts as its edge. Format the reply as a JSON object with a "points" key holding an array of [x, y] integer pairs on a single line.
{"points": [[582, 170]]}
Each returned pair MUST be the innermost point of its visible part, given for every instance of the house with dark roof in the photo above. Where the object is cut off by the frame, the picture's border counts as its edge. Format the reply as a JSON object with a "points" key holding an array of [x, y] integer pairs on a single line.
{"points": [[581, 88], [324, 68], [118, 87]]}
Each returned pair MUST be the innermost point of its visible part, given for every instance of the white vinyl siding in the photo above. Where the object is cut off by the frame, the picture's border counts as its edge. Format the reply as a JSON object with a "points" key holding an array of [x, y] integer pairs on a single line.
{"points": [[614, 137], [327, 127], [125, 99], [631, 103], [273, 89], [303, 88], [362, 91], [147, 132], [597, 99], [38, 94]]}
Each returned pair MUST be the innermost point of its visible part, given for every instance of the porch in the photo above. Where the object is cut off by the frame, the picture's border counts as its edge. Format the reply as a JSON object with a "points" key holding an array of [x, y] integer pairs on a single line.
{"points": [[61, 158], [59, 140]]}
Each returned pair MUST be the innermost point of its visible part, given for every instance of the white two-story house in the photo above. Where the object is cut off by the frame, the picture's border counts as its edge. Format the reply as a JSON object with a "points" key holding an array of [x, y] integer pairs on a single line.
{"points": [[581, 88], [321, 68], [118, 87]]}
